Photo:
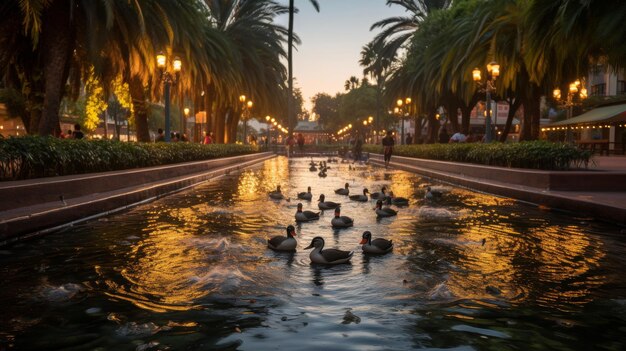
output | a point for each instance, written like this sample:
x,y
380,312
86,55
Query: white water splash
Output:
x,y
440,292
61,293
222,279
437,213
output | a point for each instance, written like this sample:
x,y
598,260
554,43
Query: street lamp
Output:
x,y
576,93
402,106
268,120
493,71
168,79
186,111
245,114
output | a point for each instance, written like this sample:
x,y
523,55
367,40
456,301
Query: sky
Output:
x,y
332,41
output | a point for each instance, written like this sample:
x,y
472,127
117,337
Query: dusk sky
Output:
x,y
332,41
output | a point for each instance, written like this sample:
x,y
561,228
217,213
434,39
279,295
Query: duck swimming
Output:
x,y
376,246
305,216
343,191
432,194
362,198
284,243
328,256
277,194
326,205
306,195
380,195
398,201
384,211
340,221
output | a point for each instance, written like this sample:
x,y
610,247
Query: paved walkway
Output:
x,y
609,163
607,205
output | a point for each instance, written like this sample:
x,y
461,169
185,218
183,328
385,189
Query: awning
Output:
x,y
606,114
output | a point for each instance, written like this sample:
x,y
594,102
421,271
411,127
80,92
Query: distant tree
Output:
x,y
327,108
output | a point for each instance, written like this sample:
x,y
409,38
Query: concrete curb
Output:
x,y
47,216
578,202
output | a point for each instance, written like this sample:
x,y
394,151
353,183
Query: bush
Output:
x,y
530,154
33,157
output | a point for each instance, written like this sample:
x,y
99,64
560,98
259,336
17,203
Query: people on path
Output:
x,y
388,143
409,139
301,142
358,146
458,137
208,138
77,133
160,136
291,141
444,137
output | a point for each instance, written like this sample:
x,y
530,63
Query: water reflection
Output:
x,y
193,271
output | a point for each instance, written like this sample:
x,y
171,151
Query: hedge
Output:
x,y
530,154
33,157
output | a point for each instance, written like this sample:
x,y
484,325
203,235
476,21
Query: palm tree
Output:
x,y
256,43
290,39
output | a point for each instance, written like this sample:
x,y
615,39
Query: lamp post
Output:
x,y
576,93
268,120
493,71
186,111
401,106
245,114
168,79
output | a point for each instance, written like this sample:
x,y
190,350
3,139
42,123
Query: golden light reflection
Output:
x,y
160,272
562,257
248,187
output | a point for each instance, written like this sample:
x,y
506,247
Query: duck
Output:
x,y
277,194
379,195
326,205
284,243
376,246
384,211
305,216
306,195
432,194
312,168
328,256
322,173
362,198
343,191
340,221
398,201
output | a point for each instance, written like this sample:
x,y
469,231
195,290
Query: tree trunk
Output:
x,y
231,127
433,128
453,116
209,98
290,121
140,107
220,124
514,105
57,44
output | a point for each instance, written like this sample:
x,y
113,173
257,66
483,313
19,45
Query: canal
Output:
x,y
192,271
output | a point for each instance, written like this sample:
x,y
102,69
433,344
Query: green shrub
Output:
x,y
531,154
33,157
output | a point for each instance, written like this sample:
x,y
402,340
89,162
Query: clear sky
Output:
x,y
332,41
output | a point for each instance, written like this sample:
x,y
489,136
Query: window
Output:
x,y
598,90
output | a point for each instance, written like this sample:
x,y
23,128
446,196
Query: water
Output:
x,y
191,271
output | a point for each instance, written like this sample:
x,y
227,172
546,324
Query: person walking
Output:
x,y
388,143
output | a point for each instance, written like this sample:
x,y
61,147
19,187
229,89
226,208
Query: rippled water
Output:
x,y
191,271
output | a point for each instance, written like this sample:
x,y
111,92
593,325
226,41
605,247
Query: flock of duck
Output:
x,y
334,256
